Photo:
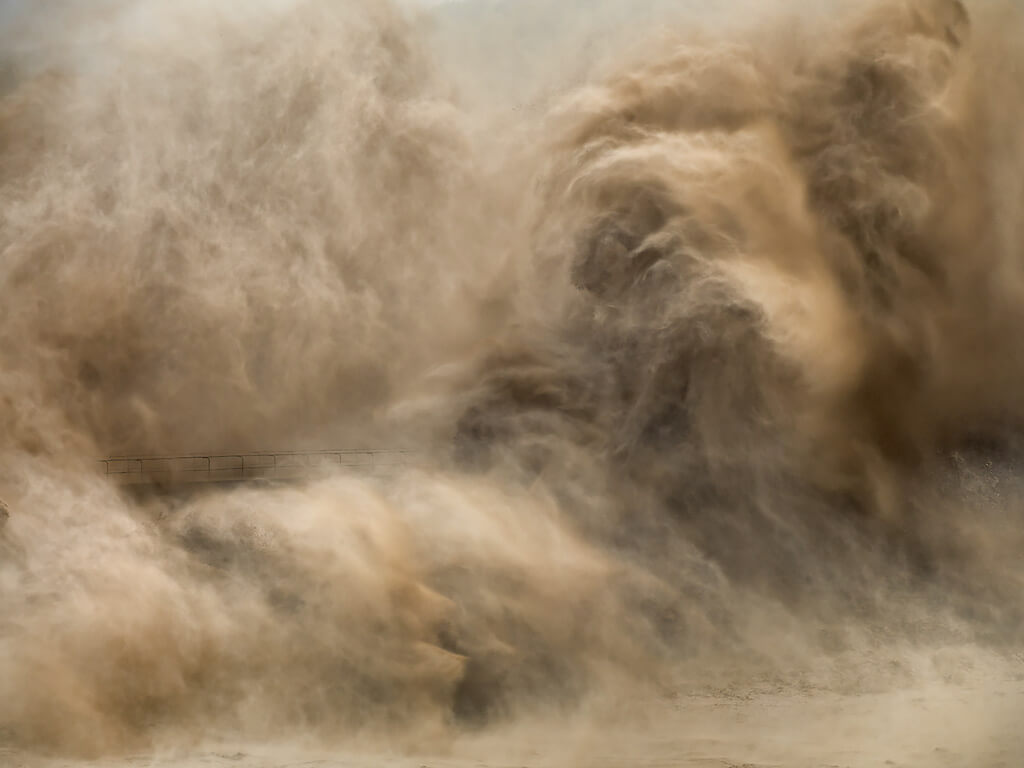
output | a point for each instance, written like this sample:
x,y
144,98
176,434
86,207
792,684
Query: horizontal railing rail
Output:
x,y
249,465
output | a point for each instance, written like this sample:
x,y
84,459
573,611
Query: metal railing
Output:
x,y
255,465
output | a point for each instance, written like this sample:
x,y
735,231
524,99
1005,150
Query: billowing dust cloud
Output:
x,y
713,364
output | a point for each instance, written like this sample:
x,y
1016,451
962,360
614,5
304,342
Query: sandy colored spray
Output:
x,y
703,366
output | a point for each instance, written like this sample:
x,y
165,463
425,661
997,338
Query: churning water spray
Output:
x,y
712,362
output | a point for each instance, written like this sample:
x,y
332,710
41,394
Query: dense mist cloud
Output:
x,y
710,358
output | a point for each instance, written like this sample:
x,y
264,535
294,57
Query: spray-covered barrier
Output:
x,y
267,466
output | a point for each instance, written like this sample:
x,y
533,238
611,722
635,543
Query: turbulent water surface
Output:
x,y
703,328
